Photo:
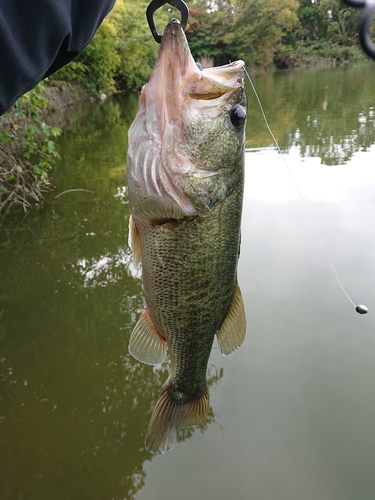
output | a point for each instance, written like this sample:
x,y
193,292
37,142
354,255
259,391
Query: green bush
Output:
x,y
122,53
27,152
96,67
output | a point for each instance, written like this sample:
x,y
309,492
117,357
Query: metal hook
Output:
x,y
368,45
155,5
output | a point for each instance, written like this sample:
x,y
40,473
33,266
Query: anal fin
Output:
x,y
146,344
233,329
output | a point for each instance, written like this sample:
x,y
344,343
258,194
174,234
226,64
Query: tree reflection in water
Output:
x,y
75,405
322,113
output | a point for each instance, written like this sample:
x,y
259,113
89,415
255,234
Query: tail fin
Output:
x,y
172,411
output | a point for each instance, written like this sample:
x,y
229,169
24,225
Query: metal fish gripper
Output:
x,y
155,5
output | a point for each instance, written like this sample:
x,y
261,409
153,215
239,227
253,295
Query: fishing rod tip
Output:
x,y
361,309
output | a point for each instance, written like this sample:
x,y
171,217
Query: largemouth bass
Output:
x,y
185,170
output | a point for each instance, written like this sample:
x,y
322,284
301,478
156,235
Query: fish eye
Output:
x,y
237,115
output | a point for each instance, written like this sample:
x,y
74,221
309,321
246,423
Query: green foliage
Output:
x,y
264,33
96,66
341,22
310,21
122,53
27,152
251,30
207,30
136,47
308,53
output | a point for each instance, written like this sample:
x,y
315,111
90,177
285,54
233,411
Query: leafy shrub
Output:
x,y
122,53
96,66
27,152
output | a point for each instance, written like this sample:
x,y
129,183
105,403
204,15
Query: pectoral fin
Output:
x,y
233,329
157,210
146,344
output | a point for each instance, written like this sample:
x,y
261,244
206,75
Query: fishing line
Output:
x,y
361,309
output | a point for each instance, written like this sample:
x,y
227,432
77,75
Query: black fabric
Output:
x,y
38,37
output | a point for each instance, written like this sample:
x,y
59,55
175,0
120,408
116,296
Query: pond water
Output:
x,y
292,411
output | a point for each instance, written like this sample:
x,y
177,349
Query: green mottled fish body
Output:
x,y
189,286
185,175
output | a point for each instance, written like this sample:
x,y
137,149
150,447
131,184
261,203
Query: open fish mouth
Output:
x,y
177,73
178,101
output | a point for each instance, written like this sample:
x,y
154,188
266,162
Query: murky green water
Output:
x,y
292,412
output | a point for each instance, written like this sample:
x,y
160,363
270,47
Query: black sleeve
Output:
x,y
38,37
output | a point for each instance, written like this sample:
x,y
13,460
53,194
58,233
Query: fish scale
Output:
x,y
186,229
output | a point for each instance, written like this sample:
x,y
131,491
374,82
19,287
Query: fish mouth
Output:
x,y
177,107
178,76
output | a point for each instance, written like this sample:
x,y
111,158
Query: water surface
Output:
x,y
292,411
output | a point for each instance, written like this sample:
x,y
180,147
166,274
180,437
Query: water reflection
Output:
x,y
74,405
294,412
327,113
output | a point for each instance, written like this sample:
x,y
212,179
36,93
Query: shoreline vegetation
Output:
x,y
267,34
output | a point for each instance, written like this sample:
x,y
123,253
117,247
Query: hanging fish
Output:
x,y
185,170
